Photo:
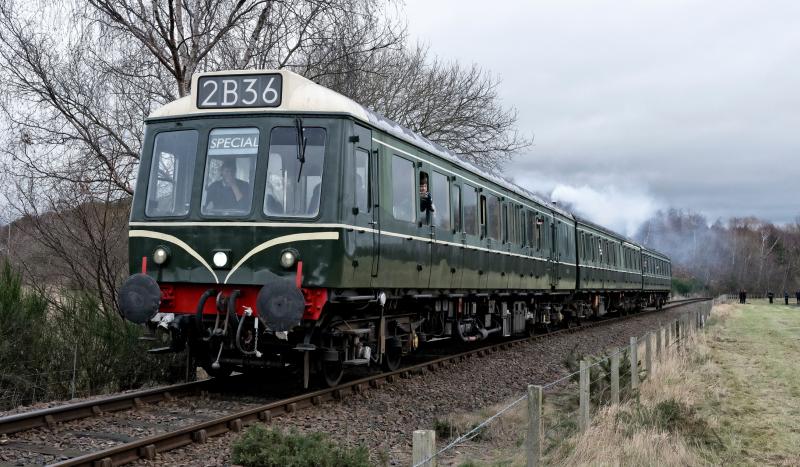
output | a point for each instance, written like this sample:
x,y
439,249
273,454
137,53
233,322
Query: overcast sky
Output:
x,y
637,106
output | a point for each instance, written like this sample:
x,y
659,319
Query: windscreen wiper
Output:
x,y
301,146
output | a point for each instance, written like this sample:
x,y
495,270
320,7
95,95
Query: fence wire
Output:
x,y
687,329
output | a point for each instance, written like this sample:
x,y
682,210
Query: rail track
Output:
x,y
147,447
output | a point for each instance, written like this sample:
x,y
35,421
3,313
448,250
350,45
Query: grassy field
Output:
x,y
755,388
732,398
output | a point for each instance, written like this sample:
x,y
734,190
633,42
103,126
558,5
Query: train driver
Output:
x,y
229,192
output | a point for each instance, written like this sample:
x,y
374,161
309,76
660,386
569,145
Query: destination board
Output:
x,y
237,91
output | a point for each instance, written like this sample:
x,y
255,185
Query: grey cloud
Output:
x,y
693,103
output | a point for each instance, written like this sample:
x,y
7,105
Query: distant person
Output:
x,y
744,296
770,296
797,295
786,297
741,296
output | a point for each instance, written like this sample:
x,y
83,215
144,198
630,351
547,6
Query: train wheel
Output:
x,y
331,372
392,358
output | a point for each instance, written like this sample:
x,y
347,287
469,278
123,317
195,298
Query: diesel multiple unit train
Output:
x,y
278,223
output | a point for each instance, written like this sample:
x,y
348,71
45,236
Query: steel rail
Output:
x,y
49,416
147,448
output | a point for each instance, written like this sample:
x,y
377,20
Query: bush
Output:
x,y
47,346
444,428
670,416
261,447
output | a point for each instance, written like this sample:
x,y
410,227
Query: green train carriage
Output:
x,y
276,222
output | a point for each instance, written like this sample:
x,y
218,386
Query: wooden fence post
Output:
x,y
583,413
648,353
667,337
424,447
534,440
634,364
615,376
659,331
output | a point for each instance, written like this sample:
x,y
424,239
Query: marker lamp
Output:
x,y
160,255
288,258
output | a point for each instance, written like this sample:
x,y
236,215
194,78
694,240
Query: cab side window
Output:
x,y
361,180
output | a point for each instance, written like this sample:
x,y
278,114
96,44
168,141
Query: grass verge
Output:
x,y
731,397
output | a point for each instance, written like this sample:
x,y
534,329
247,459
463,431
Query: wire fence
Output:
x,y
605,383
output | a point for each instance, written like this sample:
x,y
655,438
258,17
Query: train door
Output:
x,y
426,208
364,209
445,259
555,253
472,235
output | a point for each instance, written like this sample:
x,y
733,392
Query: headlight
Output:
x,y
160,255
220,259
288,258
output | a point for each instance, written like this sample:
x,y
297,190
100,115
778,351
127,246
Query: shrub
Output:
x,y
669,416
50,347
444,428
261,447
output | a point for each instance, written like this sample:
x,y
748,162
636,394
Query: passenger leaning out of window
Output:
x,y
228,192
425,200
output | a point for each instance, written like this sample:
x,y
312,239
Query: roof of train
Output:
x,y
300,94
303,95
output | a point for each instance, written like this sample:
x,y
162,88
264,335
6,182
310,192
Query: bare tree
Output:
x,y
79,82
742,253
451,104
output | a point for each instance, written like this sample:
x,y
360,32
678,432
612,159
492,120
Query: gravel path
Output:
x,y
383,420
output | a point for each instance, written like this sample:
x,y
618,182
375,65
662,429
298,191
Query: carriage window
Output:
x,y
470,210
599,251
482,215
172,169
529,220
493,217
361,181
506,236
457,208
441,200
403,196
230,171
293,187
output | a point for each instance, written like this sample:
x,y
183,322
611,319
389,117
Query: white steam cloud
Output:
x,y
621,210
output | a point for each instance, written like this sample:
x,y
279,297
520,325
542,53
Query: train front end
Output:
x,y
232,239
